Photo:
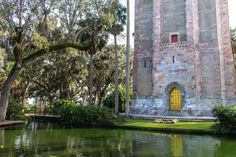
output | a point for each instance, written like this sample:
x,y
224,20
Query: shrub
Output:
x,y
92,116
59,105
109,101
15,112
226,115
82,115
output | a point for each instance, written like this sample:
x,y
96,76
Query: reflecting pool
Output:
x,y
45,140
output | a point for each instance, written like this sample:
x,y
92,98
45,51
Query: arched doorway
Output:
x,y
175,99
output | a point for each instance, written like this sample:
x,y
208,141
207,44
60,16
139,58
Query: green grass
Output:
x,y
179,127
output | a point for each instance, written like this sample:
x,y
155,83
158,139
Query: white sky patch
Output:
x,y
232,13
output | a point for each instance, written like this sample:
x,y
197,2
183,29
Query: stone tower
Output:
x,y
183,62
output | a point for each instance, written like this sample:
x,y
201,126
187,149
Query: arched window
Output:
x,y
175,99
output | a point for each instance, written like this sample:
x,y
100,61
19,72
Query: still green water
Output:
x,y
44,140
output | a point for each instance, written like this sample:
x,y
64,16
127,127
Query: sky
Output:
x,y
232,15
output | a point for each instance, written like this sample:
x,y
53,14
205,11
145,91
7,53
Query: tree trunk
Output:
x,y
20,13
116,78
90,80
50,99
127,61
99,98
25,91
5,92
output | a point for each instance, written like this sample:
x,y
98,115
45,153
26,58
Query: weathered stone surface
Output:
x,y
192,107
207,21
201,64
144,77
211,75
173,19
143,48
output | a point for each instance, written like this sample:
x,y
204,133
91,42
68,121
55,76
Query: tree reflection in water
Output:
x,y
2,133
44,140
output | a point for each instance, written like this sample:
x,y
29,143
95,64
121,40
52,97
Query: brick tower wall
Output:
x,y
200,64
208,50
228,70
143,48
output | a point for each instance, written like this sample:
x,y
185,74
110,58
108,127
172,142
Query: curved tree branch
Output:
x,y
41,52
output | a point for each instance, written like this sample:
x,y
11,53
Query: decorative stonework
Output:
x,y
173,45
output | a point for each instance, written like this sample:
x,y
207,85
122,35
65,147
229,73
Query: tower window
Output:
x,y
145,64
174,38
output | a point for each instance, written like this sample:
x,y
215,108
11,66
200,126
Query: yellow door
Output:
x,y
175,99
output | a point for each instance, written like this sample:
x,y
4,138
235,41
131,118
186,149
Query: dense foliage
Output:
x,y
84,116
32,35
226,115
15,112
233,42
233,39
109,101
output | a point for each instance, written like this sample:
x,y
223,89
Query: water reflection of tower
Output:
x,y
176,146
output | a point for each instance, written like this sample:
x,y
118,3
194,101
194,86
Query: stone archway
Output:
x,y
175,96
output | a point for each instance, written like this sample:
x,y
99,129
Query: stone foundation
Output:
x,y
192,107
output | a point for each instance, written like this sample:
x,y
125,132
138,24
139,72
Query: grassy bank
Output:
x,y
179,127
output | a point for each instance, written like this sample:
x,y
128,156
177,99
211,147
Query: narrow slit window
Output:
x,y
145,64
174,38
173,59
